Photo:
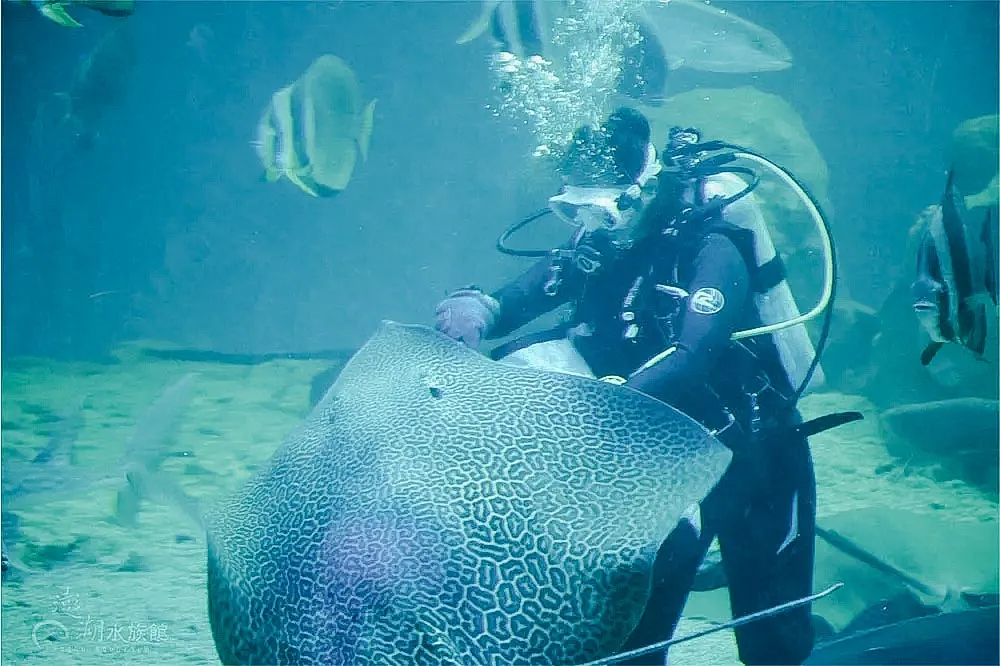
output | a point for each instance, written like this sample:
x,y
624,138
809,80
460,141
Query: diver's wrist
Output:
x,y
490,304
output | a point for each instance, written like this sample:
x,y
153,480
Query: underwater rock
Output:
x,y
975,154
847,355
961,435
988,197
946,426
766,124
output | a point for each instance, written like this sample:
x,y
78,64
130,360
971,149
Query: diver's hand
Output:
x,y
467,315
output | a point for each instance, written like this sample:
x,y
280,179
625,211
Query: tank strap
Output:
x,y
763,278
769,275
529,339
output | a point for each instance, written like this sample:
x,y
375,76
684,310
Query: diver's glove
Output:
x,y
467,315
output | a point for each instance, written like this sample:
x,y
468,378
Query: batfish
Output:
x,y
313,130
954,293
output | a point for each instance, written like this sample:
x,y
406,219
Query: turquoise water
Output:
x,y
145,222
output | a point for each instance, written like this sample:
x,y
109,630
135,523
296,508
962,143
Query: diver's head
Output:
x,y
608,174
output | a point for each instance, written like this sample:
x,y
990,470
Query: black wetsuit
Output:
x,y
751,508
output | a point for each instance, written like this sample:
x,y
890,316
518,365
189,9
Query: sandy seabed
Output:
x,y
113,595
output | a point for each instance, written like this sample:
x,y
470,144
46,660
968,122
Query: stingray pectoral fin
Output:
x,y
57,12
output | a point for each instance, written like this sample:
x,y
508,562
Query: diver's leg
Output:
x,y
767,529
673,574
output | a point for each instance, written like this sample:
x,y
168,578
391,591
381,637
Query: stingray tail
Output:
x,y
735,622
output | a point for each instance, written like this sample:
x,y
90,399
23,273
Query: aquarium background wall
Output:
x,y
164,228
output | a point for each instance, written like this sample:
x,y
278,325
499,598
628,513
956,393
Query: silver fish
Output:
x,y
698,36
672,34
51,474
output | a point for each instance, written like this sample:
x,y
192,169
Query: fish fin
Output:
x,y
298,177
271,174
949,185
976,323
986,236
365,131
929,352
57,12
827,422
979,331
706,28
480,25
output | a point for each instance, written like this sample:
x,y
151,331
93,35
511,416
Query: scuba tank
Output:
x,y
718,184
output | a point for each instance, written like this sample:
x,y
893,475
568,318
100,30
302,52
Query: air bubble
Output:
x,y
574,83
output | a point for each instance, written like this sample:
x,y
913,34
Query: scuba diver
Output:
x,y
676,291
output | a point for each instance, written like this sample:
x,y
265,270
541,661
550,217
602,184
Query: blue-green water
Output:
x,y
161,227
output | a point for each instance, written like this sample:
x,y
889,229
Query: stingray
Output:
x,y
962,637
441,507
904,564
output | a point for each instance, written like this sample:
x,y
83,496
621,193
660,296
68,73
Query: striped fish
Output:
x,y
313,131
956,277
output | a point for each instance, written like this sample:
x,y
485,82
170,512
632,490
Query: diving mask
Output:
x,y
592,208
607,208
